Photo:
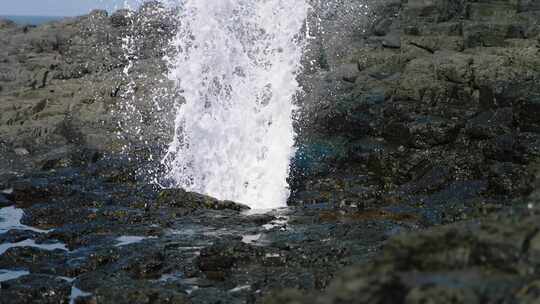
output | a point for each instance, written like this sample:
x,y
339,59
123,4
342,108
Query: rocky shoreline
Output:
x,y
416,180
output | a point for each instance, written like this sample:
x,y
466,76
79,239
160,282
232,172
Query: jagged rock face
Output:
x,y
63,84
432,86
419,114
443,117
446,265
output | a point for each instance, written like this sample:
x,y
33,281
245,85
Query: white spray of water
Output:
x,y
236,67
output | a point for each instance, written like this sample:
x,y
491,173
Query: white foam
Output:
x,y
236,68
68,279
31,243
280,222
170,277
77,293
130,239
7,191
6,275
251,238
10,218
240,288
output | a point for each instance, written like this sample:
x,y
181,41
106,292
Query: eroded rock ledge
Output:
x,y
416,179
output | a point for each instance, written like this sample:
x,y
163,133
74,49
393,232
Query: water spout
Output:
x,y
236,67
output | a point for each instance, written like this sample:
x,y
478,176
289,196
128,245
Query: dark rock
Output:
x,y
484,34
211,295
136,293
4,23
178,198
121,18
504,148
34,259
427,116
382,289
491,123
423,132
347,72
34,190
261,219
4,202
528,113
382,27
98,13
510,179
438,265
35,288
222,256
392,40
434,179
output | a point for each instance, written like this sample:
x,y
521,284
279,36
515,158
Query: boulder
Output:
x,y
179,198
121,18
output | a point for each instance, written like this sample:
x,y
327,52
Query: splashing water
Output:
x,y
236,68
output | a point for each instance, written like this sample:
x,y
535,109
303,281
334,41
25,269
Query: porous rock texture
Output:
x,y
416,181
435,108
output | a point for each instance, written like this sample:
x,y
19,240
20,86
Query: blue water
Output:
x,y
31,20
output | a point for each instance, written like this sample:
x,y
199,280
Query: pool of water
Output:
x,y
10,218
6,275
31,243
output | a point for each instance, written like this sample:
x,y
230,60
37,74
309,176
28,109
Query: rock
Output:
x,y
477,34
40,79
75,88
98,13
423,132
508,178
491,123
392,40
434,11
285,296
406,271
383,289
56,158
504,148
527,113
347,72
382,27
126,294
419,82
454,93
415,178
179,198
121,18
28,191
40,106
380,57
211,295
455,67
21,152
432,44
441,295
222,256
35,288
4,202
7,24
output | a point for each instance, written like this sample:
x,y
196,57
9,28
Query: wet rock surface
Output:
x,y
416,179
126,244
485,261
65,84
433,124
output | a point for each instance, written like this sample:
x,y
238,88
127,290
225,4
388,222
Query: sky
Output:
x,y
58,7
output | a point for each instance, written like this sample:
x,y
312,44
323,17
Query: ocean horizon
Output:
x,y
31,20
